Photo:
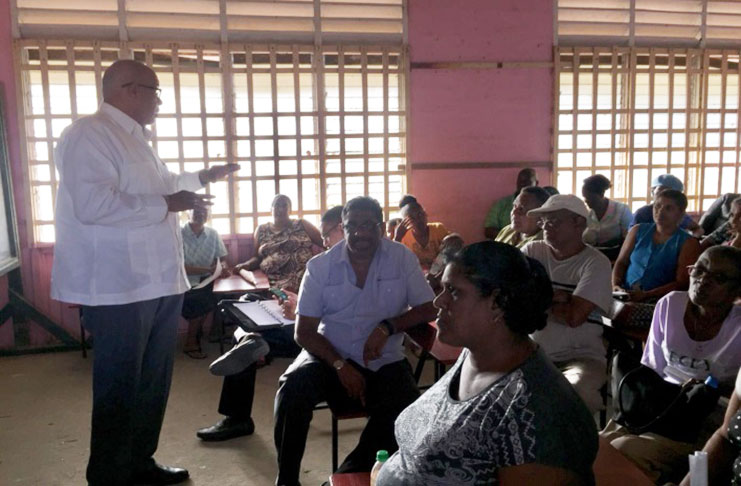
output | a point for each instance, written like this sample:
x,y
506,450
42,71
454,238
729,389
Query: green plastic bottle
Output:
x,y
381,457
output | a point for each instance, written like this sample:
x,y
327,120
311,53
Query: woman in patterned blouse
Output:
x,y
283,247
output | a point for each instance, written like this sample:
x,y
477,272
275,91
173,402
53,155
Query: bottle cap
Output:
x,y
382,455
711,381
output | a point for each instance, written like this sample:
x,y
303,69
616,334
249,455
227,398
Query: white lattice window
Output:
x,y
634,113
256,106
307,96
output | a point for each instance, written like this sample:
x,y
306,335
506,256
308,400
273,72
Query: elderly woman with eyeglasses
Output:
x,y
694,334
490,419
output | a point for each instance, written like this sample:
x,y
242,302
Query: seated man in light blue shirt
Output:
x,y
354,303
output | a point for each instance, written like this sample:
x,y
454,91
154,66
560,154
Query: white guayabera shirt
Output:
x,y
116,243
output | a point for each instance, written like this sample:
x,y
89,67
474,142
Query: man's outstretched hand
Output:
x,y
185,200
217,172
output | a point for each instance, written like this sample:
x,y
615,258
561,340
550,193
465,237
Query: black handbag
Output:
x,y
647,403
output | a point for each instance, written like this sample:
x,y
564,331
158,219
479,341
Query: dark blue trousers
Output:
x,y
134,348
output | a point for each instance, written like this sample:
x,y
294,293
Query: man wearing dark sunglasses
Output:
x,y
119,254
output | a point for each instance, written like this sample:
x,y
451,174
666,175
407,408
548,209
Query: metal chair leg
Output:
x,y
423,356
335,445
217,315
83,341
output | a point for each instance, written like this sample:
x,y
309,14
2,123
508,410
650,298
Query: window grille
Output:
x,y
634,113
321,124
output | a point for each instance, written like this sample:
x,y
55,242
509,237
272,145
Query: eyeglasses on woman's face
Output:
x,y
719,278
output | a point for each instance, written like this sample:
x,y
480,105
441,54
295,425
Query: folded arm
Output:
x,y
569,309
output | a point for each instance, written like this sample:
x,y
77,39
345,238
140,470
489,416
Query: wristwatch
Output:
x,y
338,364
386,324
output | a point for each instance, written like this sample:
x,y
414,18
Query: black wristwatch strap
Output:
x,y
389,327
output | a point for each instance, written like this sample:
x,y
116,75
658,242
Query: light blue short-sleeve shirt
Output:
x,y
201,250
349,314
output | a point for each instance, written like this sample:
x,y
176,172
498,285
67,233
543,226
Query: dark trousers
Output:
x,y
238,391
132,370
309,381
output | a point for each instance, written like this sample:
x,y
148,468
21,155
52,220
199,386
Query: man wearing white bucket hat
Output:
x,y
581,285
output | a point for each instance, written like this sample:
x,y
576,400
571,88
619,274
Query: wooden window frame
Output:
x,y
200,62
702,122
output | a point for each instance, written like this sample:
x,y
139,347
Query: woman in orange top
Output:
x,y
414,232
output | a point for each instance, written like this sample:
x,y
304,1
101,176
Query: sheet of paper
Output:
x,y
248,276
212,277
263,313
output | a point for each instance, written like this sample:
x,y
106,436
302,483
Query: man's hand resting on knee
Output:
x,y
353,381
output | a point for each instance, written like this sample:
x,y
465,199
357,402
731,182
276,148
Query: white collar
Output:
x,y
124,120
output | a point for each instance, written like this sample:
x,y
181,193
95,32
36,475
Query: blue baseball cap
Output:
x,y
668,181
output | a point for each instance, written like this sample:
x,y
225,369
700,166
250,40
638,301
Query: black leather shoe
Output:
x,y
226,428
158,474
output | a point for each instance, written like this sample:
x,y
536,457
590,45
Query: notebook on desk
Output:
x,y
256,316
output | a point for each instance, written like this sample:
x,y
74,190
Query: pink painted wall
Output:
x,y
477,115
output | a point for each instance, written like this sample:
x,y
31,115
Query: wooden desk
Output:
x,y
613,469
350,479
233,287
242,282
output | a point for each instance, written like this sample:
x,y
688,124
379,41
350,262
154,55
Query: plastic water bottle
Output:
x,y
381,457
699,468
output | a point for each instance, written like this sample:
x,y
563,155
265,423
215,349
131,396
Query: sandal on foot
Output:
x,y
195,353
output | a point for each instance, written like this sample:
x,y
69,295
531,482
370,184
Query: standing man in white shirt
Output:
x,y
119,254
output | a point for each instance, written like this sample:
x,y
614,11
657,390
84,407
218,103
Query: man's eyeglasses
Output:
x,y
325,234
157,91
368,226
549,222
698,271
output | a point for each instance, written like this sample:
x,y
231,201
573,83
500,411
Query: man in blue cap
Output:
x,y
658,184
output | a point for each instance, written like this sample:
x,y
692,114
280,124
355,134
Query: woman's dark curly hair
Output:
x,y
408,199
525,291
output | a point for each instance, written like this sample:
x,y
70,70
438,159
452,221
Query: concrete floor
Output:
x,y
45,403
